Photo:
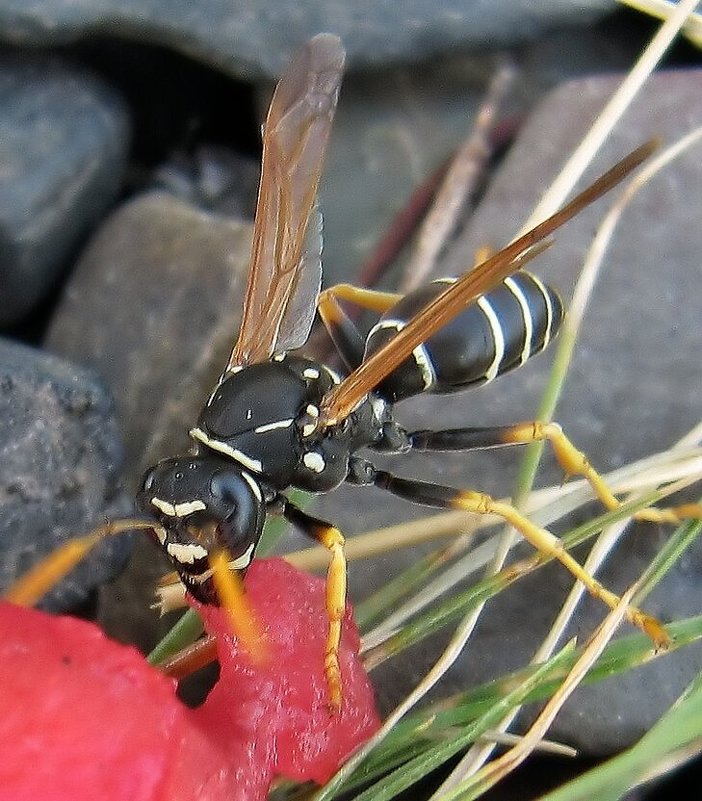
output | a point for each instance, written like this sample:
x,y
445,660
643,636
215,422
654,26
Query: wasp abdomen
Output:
x,y
496,333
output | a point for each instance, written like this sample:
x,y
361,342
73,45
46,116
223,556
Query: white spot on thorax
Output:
x,y
314,461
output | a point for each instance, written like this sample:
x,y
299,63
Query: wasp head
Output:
x,y
202,505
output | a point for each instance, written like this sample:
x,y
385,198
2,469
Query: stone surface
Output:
x,y
60,458
633,389
256,39
153,307
394,128
63,144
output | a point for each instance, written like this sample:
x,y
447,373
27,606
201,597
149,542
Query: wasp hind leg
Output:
x,y
442,497
331,538
573,461
342,330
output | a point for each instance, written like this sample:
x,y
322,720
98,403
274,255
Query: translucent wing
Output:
x,y
341,401
302,307
294,142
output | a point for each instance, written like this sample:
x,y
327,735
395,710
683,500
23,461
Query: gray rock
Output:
x,y
212,178
153,307
60,458
63,143
257,39
633,389
394,128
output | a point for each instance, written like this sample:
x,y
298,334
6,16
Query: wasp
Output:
x,y
277,420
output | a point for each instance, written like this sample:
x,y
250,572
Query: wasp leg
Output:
x,y
572,460
331,538
343,332
442,497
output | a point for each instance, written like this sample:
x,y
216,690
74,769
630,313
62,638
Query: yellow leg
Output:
x,y
548,544
232,598
545,542
331,538
371,299
574,462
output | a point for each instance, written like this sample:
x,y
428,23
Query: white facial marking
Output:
x,y
227,450
314,461
186,554
243,561
279,357
310,372
183,509
160,533
312,410
164,506
272,426
179,509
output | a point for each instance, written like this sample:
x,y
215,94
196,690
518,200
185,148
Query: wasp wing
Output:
x,y
294,142
339,402
300,312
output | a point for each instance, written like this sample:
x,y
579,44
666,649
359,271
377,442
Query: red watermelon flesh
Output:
x,y
84,717
282,707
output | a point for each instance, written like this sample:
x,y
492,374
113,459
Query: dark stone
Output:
x,y
154,306
59,471
212,178
256,39
64,141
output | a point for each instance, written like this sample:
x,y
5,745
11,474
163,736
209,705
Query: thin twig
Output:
x,y
460,181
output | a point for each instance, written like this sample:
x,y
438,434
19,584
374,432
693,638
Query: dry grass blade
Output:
x,y
503,765
612,113
662,9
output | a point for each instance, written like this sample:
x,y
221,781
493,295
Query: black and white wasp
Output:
x,y
277,420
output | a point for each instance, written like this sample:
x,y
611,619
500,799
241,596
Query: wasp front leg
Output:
x,y
572,460
442,497
331,538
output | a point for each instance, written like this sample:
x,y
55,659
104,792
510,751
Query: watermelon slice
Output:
x,y
84,717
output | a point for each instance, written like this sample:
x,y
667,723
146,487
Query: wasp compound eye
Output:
x,y
236,500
